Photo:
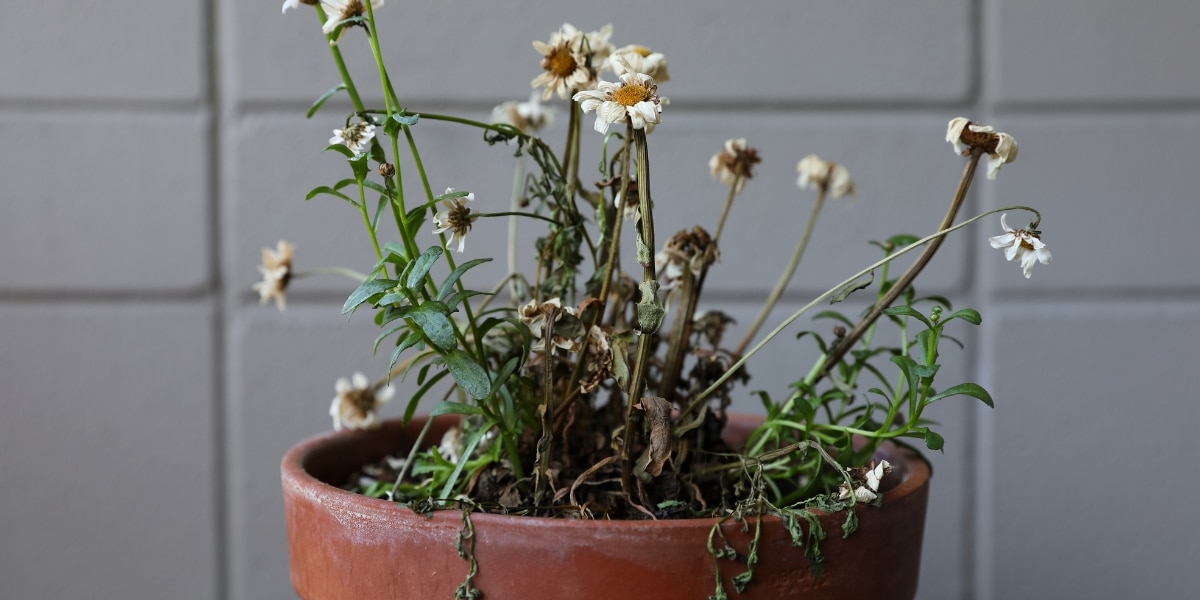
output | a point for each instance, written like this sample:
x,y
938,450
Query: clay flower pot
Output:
x,y
344,545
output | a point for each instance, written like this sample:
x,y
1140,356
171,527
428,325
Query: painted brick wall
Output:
x,y
152,148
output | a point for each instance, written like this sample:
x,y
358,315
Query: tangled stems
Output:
x,y
826,294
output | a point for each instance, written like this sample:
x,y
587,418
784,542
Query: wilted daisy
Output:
x,y
357,403
536,315
570,60
634,99
290,4
1000,147
529,117
628,202
734,163
871,476
340,10
1023,243
818,173
686,250
356,136
638,59
456,219
276,270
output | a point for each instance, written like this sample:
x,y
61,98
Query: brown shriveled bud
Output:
x,y
387,170
839,332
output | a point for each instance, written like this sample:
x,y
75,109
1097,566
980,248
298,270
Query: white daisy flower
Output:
x,y
638,59
276,270
568,59
340,10
635,99
356,404
1001,147
817,173
529,117
1022,243
456,219
357,137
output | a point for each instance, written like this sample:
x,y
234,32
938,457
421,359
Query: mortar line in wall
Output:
x,y
213,63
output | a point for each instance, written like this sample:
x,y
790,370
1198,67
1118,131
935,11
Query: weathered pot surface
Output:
x,y
343,545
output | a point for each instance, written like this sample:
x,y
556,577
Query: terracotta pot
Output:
x,y
344,545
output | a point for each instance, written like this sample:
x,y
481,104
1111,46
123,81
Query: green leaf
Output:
x,y
469,375
457,297
360,166
448,284
908,311
393,125
969,315
340,149
368,288
432,320
420,393
445,407
312,110
421,266
324,189
409,120
933,441
835,315
843,292
973,390
413,339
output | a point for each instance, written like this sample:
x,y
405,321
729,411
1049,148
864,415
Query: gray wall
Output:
x,y
152,148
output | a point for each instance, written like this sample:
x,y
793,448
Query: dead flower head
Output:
x,y
1000,147
539,315
456,219
529,117
869,477
820,174
357,403
711,325
570,60
340,10
276,271
687,250
734,164
599,359
639,59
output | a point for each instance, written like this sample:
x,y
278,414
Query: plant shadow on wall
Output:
x,y
583,392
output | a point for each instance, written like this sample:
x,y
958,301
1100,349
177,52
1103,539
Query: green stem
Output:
x,y
362,205
341,64
344,272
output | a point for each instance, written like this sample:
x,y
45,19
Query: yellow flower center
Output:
x,y
642,50
560,62
630,94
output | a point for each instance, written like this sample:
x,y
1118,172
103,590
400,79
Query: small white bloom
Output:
x,y
340,10
529,117
638,59
456,219
634,99
817,173
356,404
1004,151
1022,243
276,270
875,475
357,137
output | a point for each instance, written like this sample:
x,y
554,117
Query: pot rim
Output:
x,y
297,477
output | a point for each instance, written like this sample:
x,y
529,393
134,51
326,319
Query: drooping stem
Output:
x,y
909,275
514,289
787,274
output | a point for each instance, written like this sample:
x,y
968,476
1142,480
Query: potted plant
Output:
x,y
578,440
